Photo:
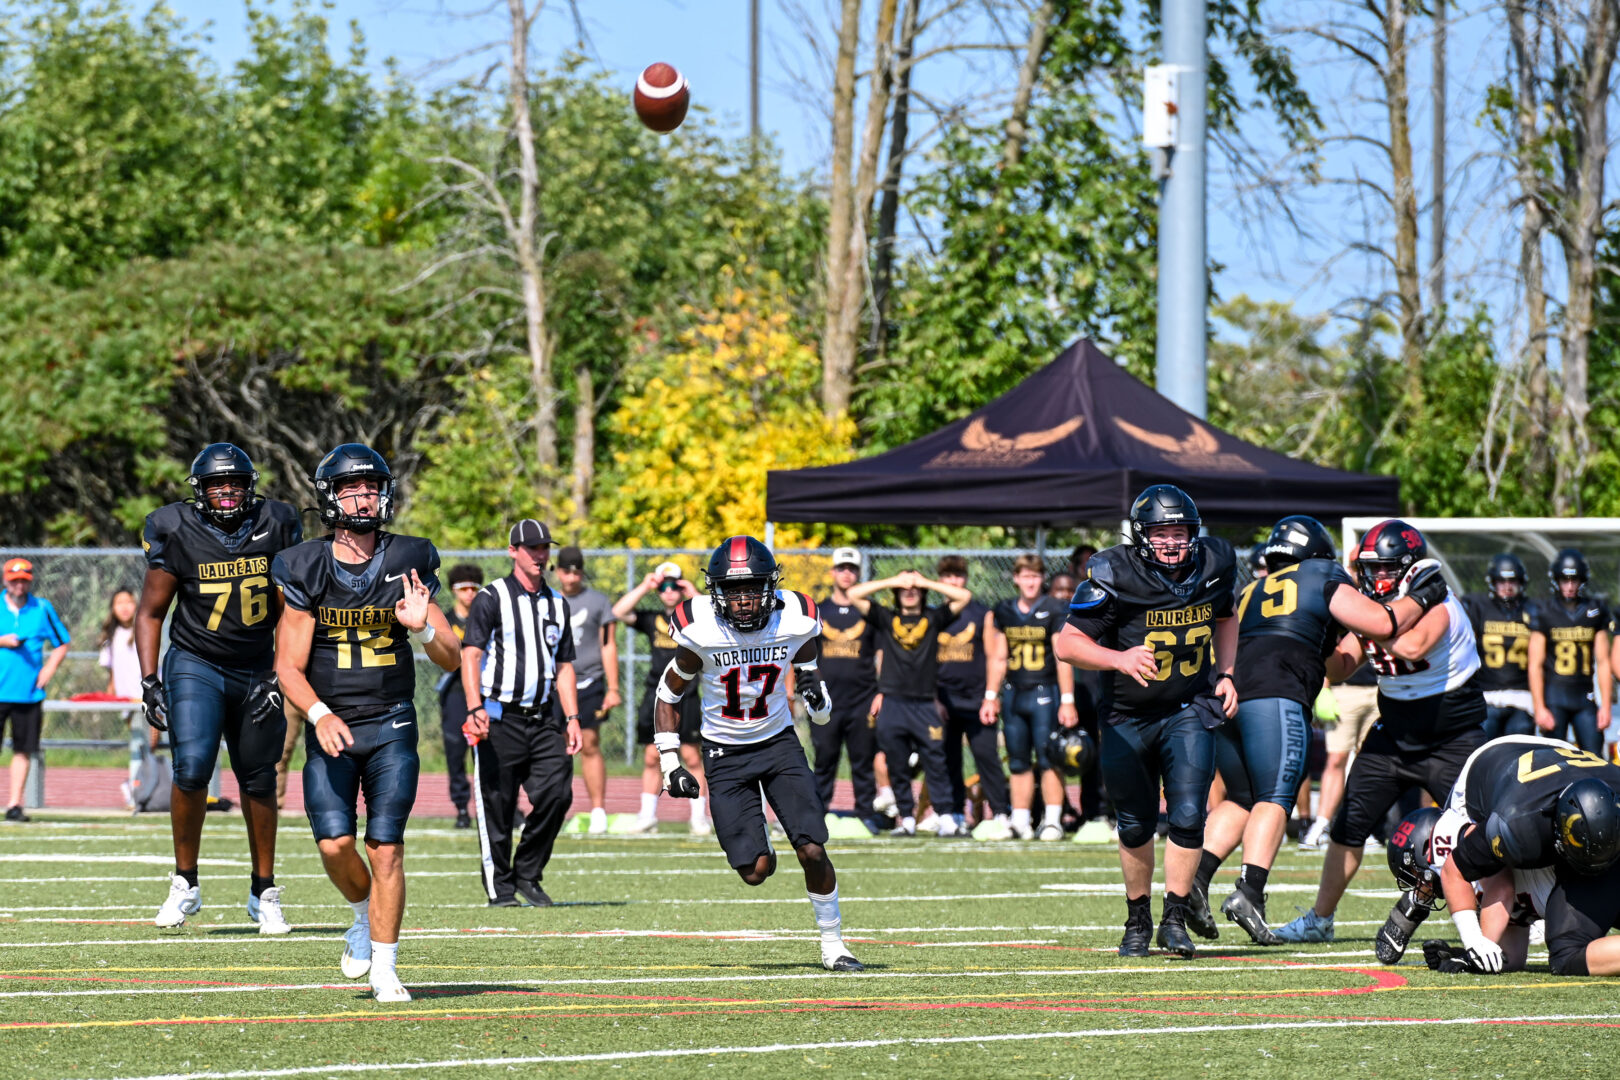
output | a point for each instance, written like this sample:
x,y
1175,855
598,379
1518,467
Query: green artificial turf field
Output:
x,y
983,960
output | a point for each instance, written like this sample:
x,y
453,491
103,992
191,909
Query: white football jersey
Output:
x,y
744,676
1448,664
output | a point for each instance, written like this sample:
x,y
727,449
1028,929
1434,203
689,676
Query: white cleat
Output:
x,y
1538,932
642,825
357,950
598,826
1020,830
996,828
386,988
930,823
1049,831
701,827
266,911
1315,837
884,803
183,900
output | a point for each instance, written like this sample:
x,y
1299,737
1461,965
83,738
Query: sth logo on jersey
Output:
x,y
986,449
1199,450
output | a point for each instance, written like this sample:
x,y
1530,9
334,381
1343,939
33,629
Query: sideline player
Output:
x,y
1501,621
345,662
1569,643
1290,620
209,557
740,639
1157,613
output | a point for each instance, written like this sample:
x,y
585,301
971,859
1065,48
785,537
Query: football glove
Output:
x,y
153,703
1424,583
677,781
818,701
264,700
1484,955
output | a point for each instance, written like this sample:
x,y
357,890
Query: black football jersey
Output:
x,y
1124,603
1286,631
848,652
224,603
1502,631
360,661
1029,639
910,646
1509,792
1571,631
963,672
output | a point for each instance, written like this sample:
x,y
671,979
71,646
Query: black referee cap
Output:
x,y
529,532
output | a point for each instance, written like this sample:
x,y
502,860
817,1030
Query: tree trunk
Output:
x,y
1403,193
1437,219
529,255
1525,41
889,204
1016,129
836,365
584,442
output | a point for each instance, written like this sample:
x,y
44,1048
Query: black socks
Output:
x,y
1207,865
1252,880
189,875
262,883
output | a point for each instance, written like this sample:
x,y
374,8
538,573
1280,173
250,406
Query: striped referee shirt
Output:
x,y
524,636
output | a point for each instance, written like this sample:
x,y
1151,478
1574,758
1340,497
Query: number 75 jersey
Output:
x,y
744,675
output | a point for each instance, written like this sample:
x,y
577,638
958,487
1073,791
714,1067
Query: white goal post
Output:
x,y
1464,546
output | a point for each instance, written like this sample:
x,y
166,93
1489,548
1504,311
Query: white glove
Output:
x,y
1484,954
818,702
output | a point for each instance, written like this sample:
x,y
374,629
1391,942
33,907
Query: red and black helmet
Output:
x,y
742,578
1386,551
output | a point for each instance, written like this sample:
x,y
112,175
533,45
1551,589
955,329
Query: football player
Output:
x,y
1569,643
1290,618
1157,614
740,640
355,598
209,558
1501,621
1430,712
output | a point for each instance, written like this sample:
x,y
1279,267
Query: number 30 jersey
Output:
x,y
744,676
223,600
360,660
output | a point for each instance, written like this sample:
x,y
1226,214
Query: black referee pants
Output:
x,y
527,750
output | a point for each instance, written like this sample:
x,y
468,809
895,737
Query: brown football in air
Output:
x,y
662,97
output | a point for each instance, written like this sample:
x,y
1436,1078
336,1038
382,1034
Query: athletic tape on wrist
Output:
x,y
664,693
667,742
317,712
426,634
675,666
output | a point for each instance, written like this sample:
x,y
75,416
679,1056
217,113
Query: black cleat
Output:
x,y
531,892
1199,919
505,901
14,814
1173,935
1396,933
1241,909
846,963
463,819
1138,936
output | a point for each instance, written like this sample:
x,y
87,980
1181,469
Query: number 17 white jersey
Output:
x,y
744,675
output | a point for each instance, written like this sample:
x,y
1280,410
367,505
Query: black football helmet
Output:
x,y
1070,751
742,578
1257,560
347,462
219,463
1296,538
1163,504
1569,565
1507,567
1386,551
1410,850
1586,826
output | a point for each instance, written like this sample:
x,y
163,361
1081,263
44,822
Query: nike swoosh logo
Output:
x,y
261,536
406,723
394,577
1214,581
1042,614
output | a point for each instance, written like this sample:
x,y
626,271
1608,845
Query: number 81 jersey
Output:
x,y
744,675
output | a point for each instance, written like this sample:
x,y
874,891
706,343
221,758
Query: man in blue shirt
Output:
x,y
27,624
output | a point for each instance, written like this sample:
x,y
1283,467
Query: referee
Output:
x,y
518,650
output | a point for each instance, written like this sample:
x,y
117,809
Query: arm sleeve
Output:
x,y
482,615
1473,856
292,592
565,643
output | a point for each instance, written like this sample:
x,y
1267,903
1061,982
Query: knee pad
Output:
x,y
332,824
1187,825
192,771
259,781
1133,834
1018,766
1184,836
1567,959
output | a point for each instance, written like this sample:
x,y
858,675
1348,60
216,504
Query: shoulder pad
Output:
x,y
1105,570
1219,555
682,616
806,605
1088,596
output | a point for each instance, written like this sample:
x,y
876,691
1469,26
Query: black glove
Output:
x,y
264,700
681,784
1424,583
153,703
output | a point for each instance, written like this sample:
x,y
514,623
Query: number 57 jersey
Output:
x,y
744,675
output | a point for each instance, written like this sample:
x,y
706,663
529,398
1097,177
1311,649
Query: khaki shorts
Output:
x,y
1358,712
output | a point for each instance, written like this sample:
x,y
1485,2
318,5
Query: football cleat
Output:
x,y
357,950
1021,830
1050,831
702,827
642,824
599,824
1241,909
1315,837
266,911
1396,933
884,802
1173,935
386,988
995,828
184,899
1309,929
906,826
930,823
835,956
1138,935
1199,919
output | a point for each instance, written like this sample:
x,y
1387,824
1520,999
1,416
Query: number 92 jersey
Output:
x,y
744,676
223,594
360,658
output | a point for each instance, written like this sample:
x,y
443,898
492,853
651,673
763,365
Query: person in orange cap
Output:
x,y
33,640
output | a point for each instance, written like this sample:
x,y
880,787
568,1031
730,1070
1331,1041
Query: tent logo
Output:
x,y
983,448
1199,450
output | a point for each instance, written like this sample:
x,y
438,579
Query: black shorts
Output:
x,y
1383,772
736,773
590,705
1580,910
26,719
691,709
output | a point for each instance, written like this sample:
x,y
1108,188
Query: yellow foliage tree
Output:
x,y
739,397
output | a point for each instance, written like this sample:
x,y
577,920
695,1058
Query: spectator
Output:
x,y
849,667
465,581
27,624
116,646
1061,587
596,667
673,590
972,654
1078,559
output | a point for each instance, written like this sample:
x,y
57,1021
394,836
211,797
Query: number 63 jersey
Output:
x,y
744,676
360,659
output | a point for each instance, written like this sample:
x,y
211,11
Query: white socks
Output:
x,y
1020,816
649,804
598,818
383,958
698,814
1054,814
362,910
828,920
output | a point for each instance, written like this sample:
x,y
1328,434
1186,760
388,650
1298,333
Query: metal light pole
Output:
x,y
1183,262
753,73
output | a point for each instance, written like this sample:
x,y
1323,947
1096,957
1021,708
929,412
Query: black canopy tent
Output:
x,y
1071,445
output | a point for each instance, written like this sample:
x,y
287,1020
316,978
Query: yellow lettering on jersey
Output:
x,y
360,618
957,648
1505,628
233,568
909,637
1571,633
839,644
1187,616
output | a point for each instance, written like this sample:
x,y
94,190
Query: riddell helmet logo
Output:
x,y
983,448
1198,450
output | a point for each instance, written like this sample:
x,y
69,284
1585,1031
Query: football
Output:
x,y
662,97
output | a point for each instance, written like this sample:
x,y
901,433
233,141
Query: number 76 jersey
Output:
x,y
744,675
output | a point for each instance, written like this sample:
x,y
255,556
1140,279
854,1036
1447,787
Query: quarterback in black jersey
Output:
x,y
1289,620
209,558
1501,621
354,600
1569,651
1157,614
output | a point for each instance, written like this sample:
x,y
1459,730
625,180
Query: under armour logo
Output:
x,y
717,752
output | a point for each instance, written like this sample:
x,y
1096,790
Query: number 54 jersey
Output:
x,y
744,676
360,659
